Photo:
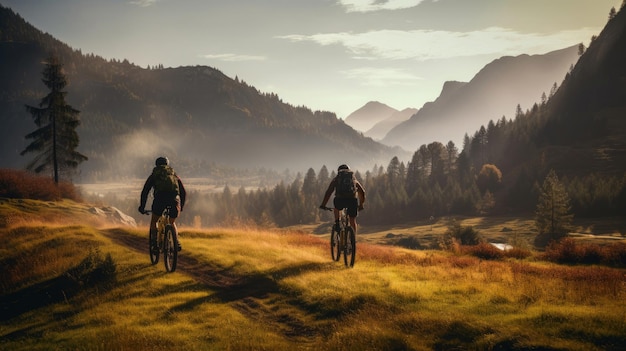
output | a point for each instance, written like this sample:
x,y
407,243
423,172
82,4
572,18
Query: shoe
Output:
x,y
179,247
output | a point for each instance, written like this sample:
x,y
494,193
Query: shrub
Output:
x,y
17,184
568,251
410,242
465,235
94,270
486,251
518,253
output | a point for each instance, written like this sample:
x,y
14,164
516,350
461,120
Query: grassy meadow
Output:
x,y
70,283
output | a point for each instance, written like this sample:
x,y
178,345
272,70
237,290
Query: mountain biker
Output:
x,y
168,191
352,199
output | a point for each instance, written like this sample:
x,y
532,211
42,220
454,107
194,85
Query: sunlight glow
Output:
x,y
377,77
377,5
233,57
143,3
432,45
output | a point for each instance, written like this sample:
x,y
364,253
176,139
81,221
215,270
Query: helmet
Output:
x,y
343,168
162,161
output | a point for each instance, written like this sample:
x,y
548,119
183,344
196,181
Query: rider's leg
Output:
x,y
172,220
174,215
153,222
353,223
352,213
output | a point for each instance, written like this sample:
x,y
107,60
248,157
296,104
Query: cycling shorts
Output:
x,y
161,202
351,203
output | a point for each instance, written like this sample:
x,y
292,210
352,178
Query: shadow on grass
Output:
x,y
39,295
92,272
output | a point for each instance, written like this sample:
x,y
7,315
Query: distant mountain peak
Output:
x,y
495,91
368,115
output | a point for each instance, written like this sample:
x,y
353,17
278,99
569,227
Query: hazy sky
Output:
x,y
333,55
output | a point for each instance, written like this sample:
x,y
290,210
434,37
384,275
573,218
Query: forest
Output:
x,y
438,181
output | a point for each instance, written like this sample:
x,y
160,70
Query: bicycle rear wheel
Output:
x,y
335,240
170,251
349,252
153,247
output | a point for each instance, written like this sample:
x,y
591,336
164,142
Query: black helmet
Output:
x,y
162,161
343,168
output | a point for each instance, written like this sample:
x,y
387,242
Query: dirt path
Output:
x,y
247,294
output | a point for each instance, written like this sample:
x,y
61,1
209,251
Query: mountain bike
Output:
x,y
343,240
164,240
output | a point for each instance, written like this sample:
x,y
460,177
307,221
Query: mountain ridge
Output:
x,y
193,114
487,96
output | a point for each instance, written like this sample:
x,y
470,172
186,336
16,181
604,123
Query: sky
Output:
x,y
330,55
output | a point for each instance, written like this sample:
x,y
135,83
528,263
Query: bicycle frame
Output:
x,y
165,241
344,240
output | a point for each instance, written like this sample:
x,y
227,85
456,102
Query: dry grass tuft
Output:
x,y
17,184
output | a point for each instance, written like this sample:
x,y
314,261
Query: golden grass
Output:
x,y
246,289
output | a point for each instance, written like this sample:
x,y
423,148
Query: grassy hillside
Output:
x,y
85,287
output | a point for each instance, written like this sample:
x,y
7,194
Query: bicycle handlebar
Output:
x,y
330,208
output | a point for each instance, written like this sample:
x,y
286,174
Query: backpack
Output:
x,y
346,184
165,179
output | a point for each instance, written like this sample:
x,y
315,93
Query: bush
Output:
x,y
486,251
17,184
518,253
94,270
465,235
568,251
410,242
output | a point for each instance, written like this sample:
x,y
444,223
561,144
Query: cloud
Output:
x,y
143,3
377,5
424,45
381,77
233,57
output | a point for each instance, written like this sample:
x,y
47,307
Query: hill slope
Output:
x,y
92,288
380,129
581,129
192,114
368,115
494,92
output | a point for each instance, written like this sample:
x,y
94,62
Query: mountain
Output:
x,y
367,116
380,129
582,128
195,115
494,92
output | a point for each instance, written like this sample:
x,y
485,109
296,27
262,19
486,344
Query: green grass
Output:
x,y
247,289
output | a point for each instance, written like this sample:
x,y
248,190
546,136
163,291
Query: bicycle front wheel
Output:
x,y
170,251
335,249
153,247
349,252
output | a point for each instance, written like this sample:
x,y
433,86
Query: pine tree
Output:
x,y
552,216
55,139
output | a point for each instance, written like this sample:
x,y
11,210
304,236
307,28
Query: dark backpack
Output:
x,y
346,184
165,179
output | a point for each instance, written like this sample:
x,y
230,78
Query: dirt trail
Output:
x,y
246,294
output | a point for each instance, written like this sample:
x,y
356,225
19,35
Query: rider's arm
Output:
x,y
182,192
329,192
360,193
144,193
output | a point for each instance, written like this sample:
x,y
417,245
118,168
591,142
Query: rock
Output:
x,y
114,215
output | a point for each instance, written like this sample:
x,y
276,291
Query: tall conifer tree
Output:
x,y
552,217
55,139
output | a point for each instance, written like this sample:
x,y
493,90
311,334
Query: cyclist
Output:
x,y
168,191
349,194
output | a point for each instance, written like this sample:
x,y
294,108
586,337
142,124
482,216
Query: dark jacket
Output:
x,y
162,196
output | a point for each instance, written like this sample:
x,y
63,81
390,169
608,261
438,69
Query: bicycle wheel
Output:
x,y
335,250
153,247
349,252
170,251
